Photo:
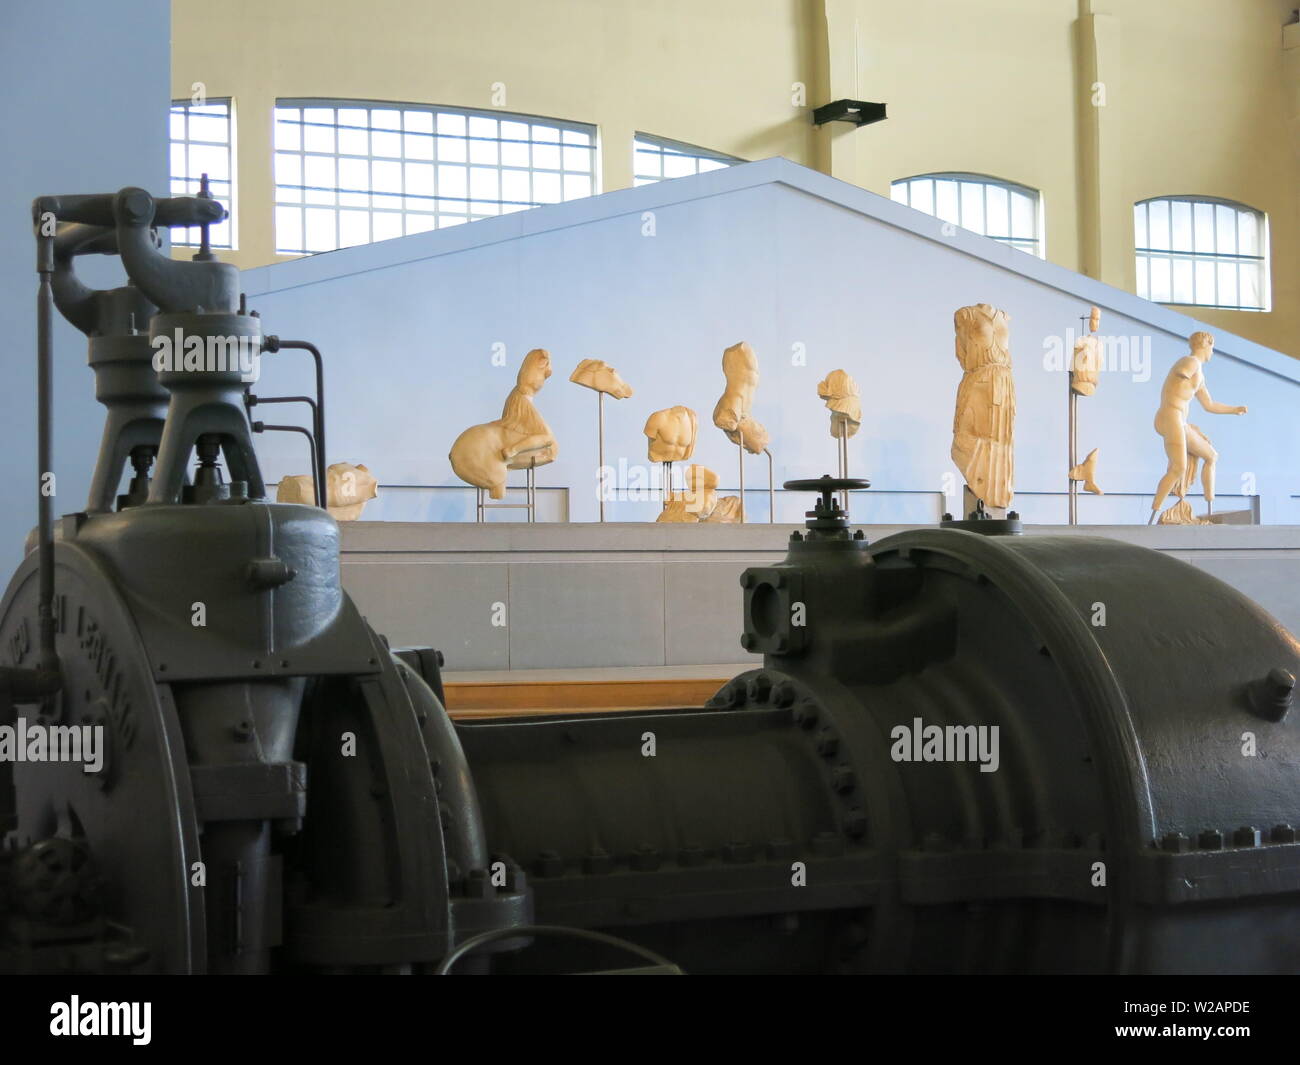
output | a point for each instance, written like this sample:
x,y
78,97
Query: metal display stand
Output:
x,y
600,452
530,496
842,446
771,484
740,450
771,489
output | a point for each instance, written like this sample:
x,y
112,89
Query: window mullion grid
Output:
x,y
532,165
370,174
437,173
1236,250
336,162
401,168
1147,255
301,206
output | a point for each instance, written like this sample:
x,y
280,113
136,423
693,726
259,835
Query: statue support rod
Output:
x,y
771,489
1074,450
740,451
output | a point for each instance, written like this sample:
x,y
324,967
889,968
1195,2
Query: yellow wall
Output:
x,y
1201,96
684,69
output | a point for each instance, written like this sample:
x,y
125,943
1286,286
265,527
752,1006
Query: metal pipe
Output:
x,y
49,658
251,401
319,427
319,487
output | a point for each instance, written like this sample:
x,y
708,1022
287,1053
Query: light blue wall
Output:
x,y
84,94
771,253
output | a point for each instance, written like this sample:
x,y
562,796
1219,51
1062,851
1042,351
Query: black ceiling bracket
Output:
x,y
859,112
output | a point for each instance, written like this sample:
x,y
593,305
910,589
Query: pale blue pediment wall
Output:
x,y
769,252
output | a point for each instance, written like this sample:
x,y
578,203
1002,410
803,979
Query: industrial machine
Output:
x,y
966,750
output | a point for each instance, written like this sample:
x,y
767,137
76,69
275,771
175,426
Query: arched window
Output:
x,y
350,172
1003,210
1201,251
657,158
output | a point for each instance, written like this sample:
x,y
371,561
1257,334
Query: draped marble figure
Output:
x,y
983,425
840,392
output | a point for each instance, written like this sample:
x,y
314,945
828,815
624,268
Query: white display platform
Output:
x,y
502,596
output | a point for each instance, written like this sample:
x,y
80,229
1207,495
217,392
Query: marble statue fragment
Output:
x,y
671,433
701,490
732,412
1086,472
1085,368
696,500
518,440
983,425
600,377
347,490
840,392
1086,364
1180,513
727,511
675,512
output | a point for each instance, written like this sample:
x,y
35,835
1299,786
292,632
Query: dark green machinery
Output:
x,y
966,750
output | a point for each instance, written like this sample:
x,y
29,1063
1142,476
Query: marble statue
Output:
x,y
1086,472
675,512
983,425
840,392
732,412
701,492
1086,365
727,511
347,490
600,377
518,440
671,433
1185,444
1085,368
696,501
